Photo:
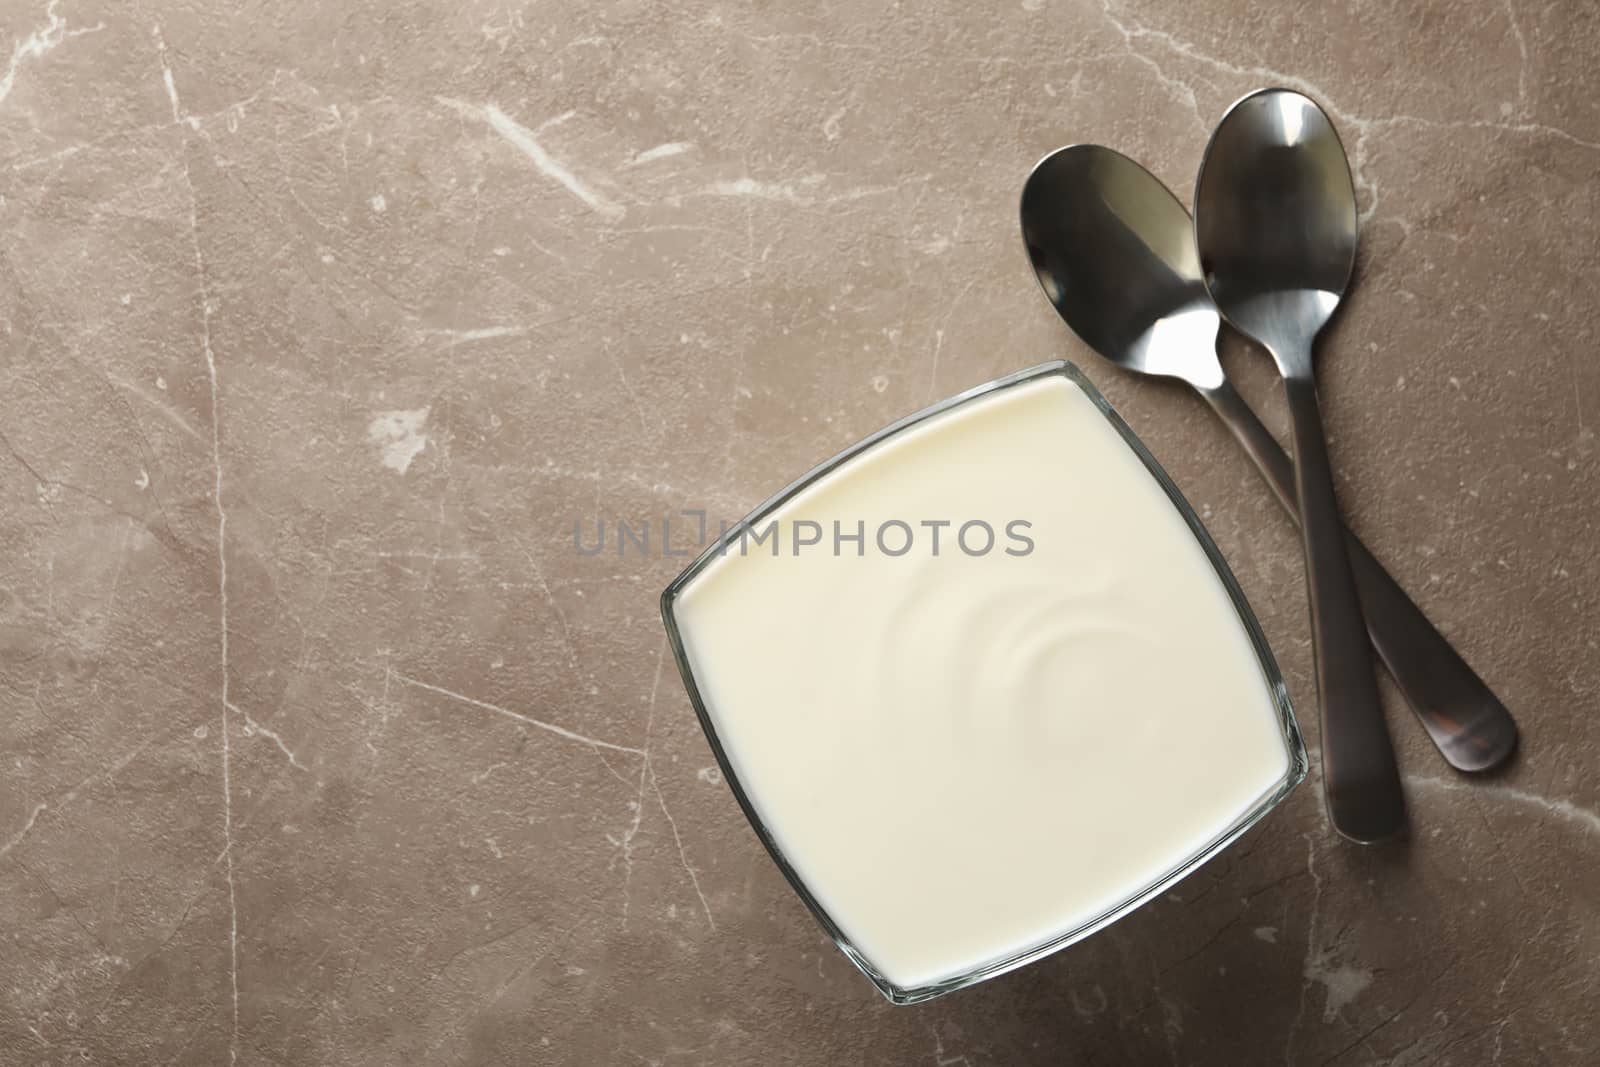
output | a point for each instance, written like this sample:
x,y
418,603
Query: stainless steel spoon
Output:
x,y
1115,253
1275,221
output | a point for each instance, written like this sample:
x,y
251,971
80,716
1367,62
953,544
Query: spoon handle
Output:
x,y
1467,722
1359,774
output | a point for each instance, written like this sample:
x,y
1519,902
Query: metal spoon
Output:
x,y
1275,221
1115,253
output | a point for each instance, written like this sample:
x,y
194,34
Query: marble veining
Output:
x,y
322,328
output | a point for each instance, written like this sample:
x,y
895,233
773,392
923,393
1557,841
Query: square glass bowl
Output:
x,y
903,990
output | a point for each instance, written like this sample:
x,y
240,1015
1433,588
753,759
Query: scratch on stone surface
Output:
x,y
1171,1027
251,727
683,856
384,708
729,453
627,387
631,479
1577,398
17,837
522,138
549,596
625,843
660,151
1363,1039
222,545
554,121
793,193
1183,90
938,335
1583,818
155,402
193,120
1135,31
1505,979
40,41
432,557
63,799
1522,54
17,166
50,490
1516,957
482,776
43,483
1311,948
759,190
481,333
517,716
128,525
649,767
933,364
489,1002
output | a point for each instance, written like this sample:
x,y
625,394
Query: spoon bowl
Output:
x,y
1275,218
1115,253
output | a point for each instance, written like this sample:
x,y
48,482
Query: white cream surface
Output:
x,y
965,757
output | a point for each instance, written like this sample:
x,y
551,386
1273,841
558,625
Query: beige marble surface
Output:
x,y
321,325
